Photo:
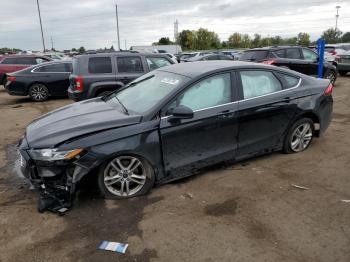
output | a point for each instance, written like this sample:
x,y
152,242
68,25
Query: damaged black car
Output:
x,y
170,123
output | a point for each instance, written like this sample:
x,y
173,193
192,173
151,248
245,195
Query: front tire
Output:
x,y
39,92
332,76
125,176
299,136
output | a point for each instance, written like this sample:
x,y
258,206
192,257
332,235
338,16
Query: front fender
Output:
x,y
95,87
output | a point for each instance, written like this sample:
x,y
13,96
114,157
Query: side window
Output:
x,y
213,91
309,55
26,61
54,68
100,65
156,62
9,61
129,65
293,53
280,53
288,80
258,83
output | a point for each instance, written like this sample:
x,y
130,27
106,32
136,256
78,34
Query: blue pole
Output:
x,y
320,51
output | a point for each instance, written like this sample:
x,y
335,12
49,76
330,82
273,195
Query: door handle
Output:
x,y
226,114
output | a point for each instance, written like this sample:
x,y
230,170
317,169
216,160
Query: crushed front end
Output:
x,y
55,173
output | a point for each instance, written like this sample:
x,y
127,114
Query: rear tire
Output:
x,y
299,136
343,73
39,92
125,176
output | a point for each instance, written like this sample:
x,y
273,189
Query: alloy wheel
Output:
x,y
331,76
301,137
124,176
39,93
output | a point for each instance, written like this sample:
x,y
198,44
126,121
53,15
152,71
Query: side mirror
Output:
x,y
181,112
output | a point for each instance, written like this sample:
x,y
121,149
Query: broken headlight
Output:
x,y
53,154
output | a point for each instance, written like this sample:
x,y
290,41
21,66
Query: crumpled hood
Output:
x,y
75,120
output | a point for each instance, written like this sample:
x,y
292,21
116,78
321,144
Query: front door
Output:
x,y
207,138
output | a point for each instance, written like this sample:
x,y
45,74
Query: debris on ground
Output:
x,y
16,106
345,200
187,195
300,187
113,246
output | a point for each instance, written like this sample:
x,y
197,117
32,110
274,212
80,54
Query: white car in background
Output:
x,y
172,57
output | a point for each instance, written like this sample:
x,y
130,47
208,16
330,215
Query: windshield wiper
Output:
x,y
124,108
134,83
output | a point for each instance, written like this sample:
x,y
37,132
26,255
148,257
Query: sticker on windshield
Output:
x,y
170,81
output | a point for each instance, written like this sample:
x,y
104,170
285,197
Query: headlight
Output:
x,y
53,154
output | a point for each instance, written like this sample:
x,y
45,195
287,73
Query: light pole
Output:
x,y
336,17
116,15
41,26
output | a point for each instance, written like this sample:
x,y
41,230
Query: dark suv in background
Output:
x,y
98,74
296,58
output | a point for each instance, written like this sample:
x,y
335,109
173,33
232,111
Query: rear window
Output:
x,y
100,65
288,80
129,65
254,55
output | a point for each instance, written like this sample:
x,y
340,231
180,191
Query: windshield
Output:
x,y
147,91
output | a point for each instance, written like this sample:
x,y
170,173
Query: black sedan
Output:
x,y
41,81
171,122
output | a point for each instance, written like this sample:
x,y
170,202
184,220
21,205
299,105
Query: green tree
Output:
x,y
331,36
256,40
276,40
164,41
235,40
246,41
186,39
81,50
346,37
290,41
205,39
303,39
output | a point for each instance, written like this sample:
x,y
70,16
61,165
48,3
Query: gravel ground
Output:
x,y
245,212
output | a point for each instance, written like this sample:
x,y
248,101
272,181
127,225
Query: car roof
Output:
x,y
267,48
198,68
21,55
124,53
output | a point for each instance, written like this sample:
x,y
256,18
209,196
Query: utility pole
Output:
x,y
116,15
51,44
336,17
125,44
41,26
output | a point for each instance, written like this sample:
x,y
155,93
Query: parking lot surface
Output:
x,y
249,211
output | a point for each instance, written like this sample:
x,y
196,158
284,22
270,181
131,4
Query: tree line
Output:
x,y
203,39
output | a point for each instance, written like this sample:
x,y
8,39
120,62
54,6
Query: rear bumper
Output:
x,y
325,112
75,96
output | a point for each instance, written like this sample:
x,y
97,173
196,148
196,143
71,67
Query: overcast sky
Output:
x,y
92,23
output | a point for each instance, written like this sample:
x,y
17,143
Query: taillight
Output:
x,y
269,62
79,86
333,52
328,91
11,78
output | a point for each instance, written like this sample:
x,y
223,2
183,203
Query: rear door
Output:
x,y
210,136
55,77
296,61
129,68
266,107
